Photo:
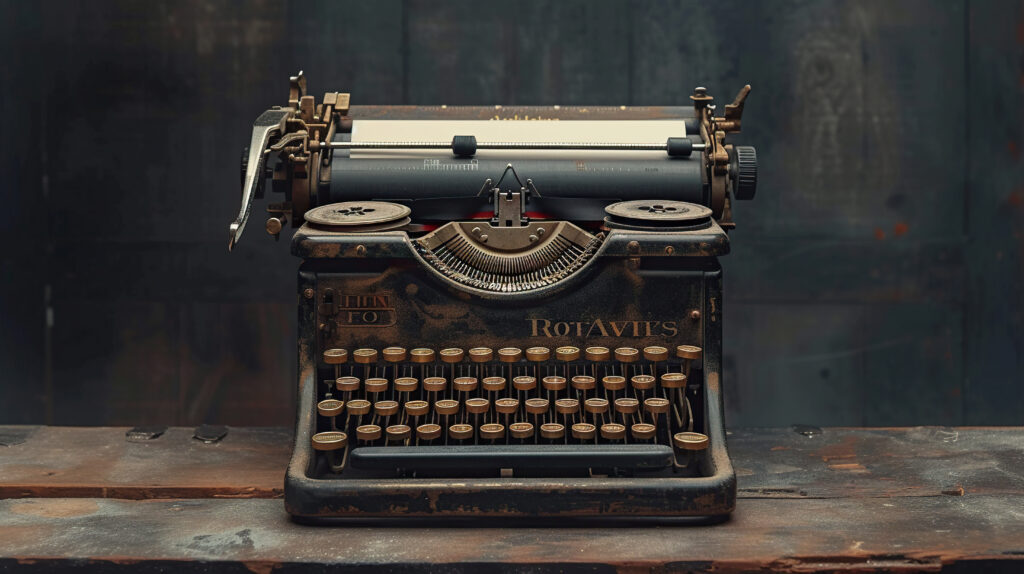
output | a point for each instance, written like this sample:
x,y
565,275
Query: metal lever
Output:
x,y
265,126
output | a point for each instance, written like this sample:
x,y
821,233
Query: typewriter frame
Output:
x,y
711,496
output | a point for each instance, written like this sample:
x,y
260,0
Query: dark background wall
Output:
x,y
877,279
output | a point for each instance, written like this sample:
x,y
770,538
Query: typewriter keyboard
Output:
x,y
511,411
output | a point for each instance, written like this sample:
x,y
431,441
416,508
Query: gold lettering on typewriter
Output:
x,y
365,311
600,328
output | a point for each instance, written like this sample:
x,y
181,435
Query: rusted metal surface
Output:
x,y
900,534
101,463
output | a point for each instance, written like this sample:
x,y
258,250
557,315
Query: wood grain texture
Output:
x,y
913,534
54,462
883,248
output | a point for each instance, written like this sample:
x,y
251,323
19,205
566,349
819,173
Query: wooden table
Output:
x,y
899,499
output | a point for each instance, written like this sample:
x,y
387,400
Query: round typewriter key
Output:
x,y
406,384
656,405
375,385
626,405
583,382
394,354
465,384
435,384
521,430
417,408
422,355
552,430
613,431
452,355
365,356
460,431
347,384
494,383
332,440
673,380
481,354
446,407
477,406
598,354
506,406
398,432
492,431
642,382
688,352
643,431
510,354
690,440
537,354
567,353
385,408
583,431
553,383
596,405
428,431
627,355
330,407
358,407
537,406
656,354
335,356
614,382
567,406
368,432
524,383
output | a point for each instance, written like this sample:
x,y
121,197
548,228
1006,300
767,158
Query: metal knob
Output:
x,y
330,407
394,354
452,355
538,354
481,354
422,355
365,356
690,441
332,440
335,356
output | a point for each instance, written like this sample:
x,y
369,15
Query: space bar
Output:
x,y
536,457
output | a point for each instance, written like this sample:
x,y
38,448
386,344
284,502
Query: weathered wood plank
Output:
x,y
831,463
101,463
930,533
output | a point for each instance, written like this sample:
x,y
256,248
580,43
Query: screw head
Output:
x,y
695,315
308,293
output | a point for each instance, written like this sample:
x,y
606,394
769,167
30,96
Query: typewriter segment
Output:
x,y
505,311
399,414
508,259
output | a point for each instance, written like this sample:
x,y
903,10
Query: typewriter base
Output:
x,y
686,286
308,498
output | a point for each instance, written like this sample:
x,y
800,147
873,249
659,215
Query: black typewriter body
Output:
x,y
479,356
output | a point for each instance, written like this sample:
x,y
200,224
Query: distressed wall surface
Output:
x,y
876,280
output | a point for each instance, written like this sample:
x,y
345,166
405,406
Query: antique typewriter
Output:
x,y
505,311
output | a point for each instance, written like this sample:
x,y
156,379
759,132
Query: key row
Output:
x,y
495,384
399,433
654,354
596,405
